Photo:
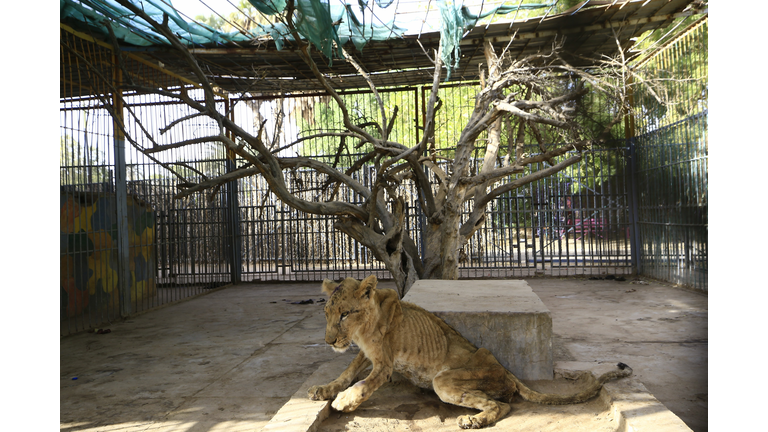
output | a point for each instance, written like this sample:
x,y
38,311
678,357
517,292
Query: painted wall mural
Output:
x,y
89,259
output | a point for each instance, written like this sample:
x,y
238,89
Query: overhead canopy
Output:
x,y
132,30
328,24
266,64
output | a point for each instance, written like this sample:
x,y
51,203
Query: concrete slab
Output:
x,y
632,406
302,414
504,316
622,406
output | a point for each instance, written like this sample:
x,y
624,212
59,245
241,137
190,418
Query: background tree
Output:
x,y
246,20
541,96
82,163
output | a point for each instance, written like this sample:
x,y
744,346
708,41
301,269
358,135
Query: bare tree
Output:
x,y
541,96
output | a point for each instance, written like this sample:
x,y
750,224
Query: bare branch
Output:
x,y
159,148
304,51
314,136
476,218
361,71
224,178
545,94
170,125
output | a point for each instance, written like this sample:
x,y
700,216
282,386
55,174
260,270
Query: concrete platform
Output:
x,y
621,406
503,316
230,360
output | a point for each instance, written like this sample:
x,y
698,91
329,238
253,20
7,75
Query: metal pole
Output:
x,y
121,200
634,232
284,235
233,209
422,218
629,135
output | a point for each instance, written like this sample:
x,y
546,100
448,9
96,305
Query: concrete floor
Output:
x,y
229,360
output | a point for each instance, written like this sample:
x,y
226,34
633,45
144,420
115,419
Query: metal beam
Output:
x,y
581,29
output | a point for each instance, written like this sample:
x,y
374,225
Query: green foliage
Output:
x,y
81,164
680,72
321,114
595,169
513,209
523,14
213,21
688,59
564,5
457,105
235,21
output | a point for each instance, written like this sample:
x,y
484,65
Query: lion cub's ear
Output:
x,y
328,287
366,287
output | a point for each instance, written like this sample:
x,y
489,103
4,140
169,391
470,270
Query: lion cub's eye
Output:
x,y
344,315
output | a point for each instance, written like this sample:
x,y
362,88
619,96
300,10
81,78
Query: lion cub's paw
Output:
x,y
470,422
319,393
350,399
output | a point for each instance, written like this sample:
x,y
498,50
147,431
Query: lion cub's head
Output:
x,y
350,310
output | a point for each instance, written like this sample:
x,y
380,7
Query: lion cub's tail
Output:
x,y
592,389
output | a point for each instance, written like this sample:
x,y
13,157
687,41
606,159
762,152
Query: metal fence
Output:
x,y
638,204
125,244
670,149
576,223
545,228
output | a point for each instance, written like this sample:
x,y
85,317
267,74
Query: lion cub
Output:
x,y
402,337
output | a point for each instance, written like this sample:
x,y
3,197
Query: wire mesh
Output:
x,y
281,243
558,226
192,233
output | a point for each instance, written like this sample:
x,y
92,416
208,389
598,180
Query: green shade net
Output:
x,y
315,22
455,19
133,30
327,24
